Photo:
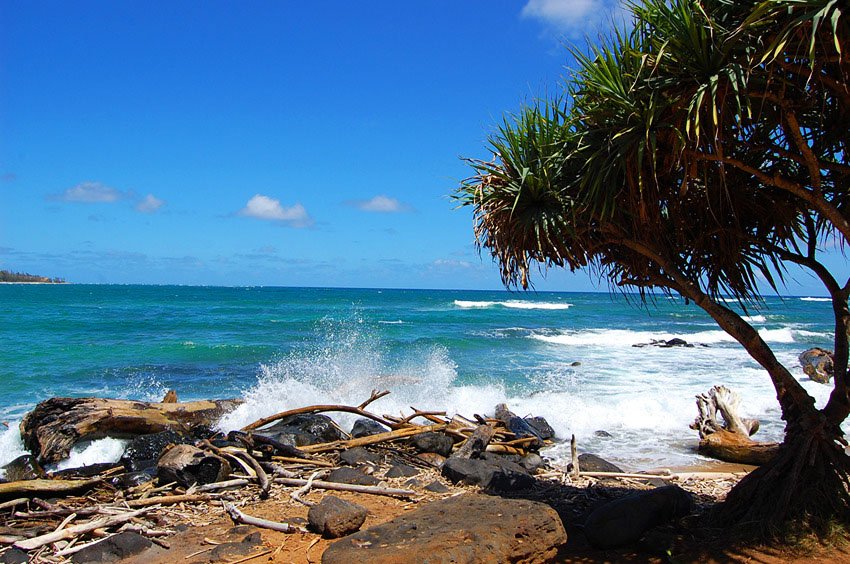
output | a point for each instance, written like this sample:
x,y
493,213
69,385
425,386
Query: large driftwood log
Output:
x,y
730,440
734,447
51,429
10,490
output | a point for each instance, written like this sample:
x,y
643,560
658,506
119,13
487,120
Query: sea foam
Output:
x,y
512,304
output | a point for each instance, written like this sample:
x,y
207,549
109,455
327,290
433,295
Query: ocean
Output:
x,y
566,356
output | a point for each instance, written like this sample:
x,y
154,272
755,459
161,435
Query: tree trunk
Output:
x,y
51,429
804,486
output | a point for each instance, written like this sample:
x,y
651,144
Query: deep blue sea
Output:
x,y
565,356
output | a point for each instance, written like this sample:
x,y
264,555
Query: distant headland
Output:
x,y
9,277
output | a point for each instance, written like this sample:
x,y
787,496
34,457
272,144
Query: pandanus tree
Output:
x,y
699,153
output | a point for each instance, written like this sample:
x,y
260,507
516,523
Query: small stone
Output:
x,y
187,465
401,471
488,474
14,556
531,461
352,476
228,550
437,487
432,458
575,363
115,548
603,434
359,455
438,443
366,427
541,426
588,462
334,517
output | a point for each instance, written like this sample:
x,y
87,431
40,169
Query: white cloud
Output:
x,y
380,204
91,192
451,263
270,209
149,204
572,16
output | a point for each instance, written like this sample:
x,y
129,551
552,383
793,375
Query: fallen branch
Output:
x,y
375,490
373,439
319,409
376,395
476,444
76,530
170,499
14,503
222,485
241,518
296,495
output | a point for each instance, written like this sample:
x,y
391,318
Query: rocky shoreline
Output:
x,y
296,488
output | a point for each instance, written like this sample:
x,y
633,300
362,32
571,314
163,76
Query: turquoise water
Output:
x,y
454,350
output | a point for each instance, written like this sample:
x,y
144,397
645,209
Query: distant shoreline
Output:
x,y
44,283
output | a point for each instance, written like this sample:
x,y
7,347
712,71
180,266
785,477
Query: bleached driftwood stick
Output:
x,y
170,499
13,503
375,490
296,495
239,517
221,485
76,530
374,439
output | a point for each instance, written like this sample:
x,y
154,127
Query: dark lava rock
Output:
x,y
303,429
437,487
250,539
25,467
488,474
130,480
187,465
466,529
625,520
591,463
401,471
334,517
438,443
518,426
531,461
14,556
359,455
113,549
352,476
541,426
143,451
817,363
432,458
366,427
601,433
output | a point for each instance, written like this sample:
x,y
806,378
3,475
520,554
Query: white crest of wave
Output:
x,y
11,446
810,299
754,318
513,304
628,338
94,452
346,368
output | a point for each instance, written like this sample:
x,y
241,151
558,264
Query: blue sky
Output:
x,y
272,143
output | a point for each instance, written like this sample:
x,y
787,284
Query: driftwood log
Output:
x,y
51,429
12,490
730,440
